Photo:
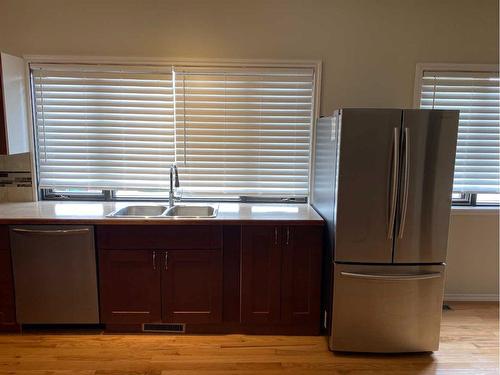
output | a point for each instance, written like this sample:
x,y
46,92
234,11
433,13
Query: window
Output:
x,y
476,94
112,132
103,129
244,131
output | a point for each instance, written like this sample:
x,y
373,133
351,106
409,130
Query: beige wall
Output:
x,y
473,261
369,47
369,51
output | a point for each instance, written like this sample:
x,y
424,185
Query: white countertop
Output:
x,y
95,213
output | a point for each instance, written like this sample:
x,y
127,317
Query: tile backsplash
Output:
x,y
15,178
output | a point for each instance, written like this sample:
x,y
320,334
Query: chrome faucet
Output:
x,y
174,175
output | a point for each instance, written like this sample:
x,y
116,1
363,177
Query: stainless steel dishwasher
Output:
x,y
55,274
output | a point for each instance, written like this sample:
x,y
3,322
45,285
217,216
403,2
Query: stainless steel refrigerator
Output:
x,y
382,180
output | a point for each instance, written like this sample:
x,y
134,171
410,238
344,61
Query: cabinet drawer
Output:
x,y
159,237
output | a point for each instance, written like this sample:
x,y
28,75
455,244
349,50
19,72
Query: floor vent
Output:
x,y
164,327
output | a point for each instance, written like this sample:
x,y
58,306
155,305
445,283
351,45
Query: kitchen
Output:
x,y
233,249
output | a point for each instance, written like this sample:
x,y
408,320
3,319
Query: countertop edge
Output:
x,y
97,213
110,221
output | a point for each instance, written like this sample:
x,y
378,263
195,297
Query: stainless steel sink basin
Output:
x,y
139,211
191,211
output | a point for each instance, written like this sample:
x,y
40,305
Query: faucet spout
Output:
x,y
174,182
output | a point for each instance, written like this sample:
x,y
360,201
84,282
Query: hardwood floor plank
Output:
x,y
469,346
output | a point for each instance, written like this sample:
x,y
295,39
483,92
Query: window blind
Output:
x,y
476,95
107,127
243,131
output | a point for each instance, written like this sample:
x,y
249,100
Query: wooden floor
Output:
x,y
469,345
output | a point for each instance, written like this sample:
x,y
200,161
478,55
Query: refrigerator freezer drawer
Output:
x,y
386,308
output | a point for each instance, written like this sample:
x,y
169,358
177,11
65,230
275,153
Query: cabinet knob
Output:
x,y
166,260
154,260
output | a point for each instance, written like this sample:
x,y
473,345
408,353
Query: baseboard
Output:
x,y
470,297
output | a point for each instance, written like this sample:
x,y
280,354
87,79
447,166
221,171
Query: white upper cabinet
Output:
x,y
13,106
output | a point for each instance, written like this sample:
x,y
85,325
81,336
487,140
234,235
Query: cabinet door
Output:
x,y
192,286
260,274
13,106
130,283
301,278
7,310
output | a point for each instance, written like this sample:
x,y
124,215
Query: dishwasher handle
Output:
x,y
51,231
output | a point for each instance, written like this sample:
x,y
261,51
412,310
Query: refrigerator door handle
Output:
x,y
394,183
406,182
410,277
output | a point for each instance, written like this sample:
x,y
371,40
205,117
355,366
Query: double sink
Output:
x,y
177,211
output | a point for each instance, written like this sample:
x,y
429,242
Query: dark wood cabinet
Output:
x,y
7,303
159,276
130,286
159,237
301,275
281,275
192,286
243,279
7,309
260,274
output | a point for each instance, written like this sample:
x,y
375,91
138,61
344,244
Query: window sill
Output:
x,y
475,210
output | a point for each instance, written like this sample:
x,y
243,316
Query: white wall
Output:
x,y
369,51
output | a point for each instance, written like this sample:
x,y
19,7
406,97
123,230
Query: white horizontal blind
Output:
x,y
476,95
107,127
244,131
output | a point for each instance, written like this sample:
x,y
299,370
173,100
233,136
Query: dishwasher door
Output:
x,y
55,274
